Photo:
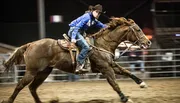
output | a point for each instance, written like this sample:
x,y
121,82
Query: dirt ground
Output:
x,y
158,91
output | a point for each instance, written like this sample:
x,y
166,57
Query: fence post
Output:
x,y
174,63
15,74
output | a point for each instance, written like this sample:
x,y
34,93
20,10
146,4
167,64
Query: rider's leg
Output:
x,y
141,65
132,67
84,51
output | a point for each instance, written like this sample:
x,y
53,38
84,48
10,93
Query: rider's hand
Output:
x,y
72,45
73,40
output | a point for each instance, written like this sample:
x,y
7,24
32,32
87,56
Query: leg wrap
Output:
x,y
123,97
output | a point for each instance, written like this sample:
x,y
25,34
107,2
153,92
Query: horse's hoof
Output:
x,y
143,85
130,101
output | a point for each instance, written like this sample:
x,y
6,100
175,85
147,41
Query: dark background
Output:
x,y
19,21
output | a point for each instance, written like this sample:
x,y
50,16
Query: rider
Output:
x,y
77,32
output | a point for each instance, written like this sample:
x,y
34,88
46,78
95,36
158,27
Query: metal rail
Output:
x,y
152,71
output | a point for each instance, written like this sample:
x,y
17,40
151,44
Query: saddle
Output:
x,y
73,50
67,45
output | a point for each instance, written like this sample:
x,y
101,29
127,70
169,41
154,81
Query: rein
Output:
x,y
100,49
138,39
130,28
127,48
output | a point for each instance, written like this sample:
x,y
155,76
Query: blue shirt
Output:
x,y
84,22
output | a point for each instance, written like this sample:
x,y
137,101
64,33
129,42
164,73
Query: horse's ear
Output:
x,y
129,22
122,20
116,21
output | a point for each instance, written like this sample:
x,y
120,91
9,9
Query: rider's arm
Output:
x,y
74,33
83,20
100,25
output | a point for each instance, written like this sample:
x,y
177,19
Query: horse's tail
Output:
x,y
16,57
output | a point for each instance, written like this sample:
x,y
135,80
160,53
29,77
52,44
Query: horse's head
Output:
x,y
136,35
119,30
131,32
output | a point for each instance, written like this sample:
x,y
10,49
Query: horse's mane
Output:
x,y
115,22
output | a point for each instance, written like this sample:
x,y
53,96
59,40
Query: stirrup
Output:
x,y
81,71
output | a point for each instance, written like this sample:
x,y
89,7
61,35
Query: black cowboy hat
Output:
x,y
98,7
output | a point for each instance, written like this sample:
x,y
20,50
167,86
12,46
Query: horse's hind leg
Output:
x,y
122,71
109,74
28,77
38,80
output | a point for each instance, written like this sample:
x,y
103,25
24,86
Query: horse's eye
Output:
x,y
139,30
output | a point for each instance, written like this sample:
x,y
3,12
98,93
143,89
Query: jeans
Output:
x,y
72,77
140,62
82,44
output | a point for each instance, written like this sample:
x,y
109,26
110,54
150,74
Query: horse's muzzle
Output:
x,y
146,45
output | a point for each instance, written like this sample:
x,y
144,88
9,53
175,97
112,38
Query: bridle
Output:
x,y
134,43
136,35
130,28
127,33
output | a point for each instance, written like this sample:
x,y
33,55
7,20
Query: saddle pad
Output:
x,y
66,45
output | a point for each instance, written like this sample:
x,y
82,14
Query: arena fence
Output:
x,y
158,63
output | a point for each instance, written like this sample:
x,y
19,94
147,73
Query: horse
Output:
x,y
43,55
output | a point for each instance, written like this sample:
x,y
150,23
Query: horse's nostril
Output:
x,y
149,42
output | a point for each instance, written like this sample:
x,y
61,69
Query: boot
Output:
x,y
80,69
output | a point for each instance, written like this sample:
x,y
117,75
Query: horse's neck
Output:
x,y
111,40
105,44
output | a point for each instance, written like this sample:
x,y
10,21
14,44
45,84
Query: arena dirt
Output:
x,y
158,91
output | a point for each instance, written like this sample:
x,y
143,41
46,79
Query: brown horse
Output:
x,y
43,55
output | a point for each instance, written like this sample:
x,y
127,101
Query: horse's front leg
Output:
x,y
110,76
122,71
